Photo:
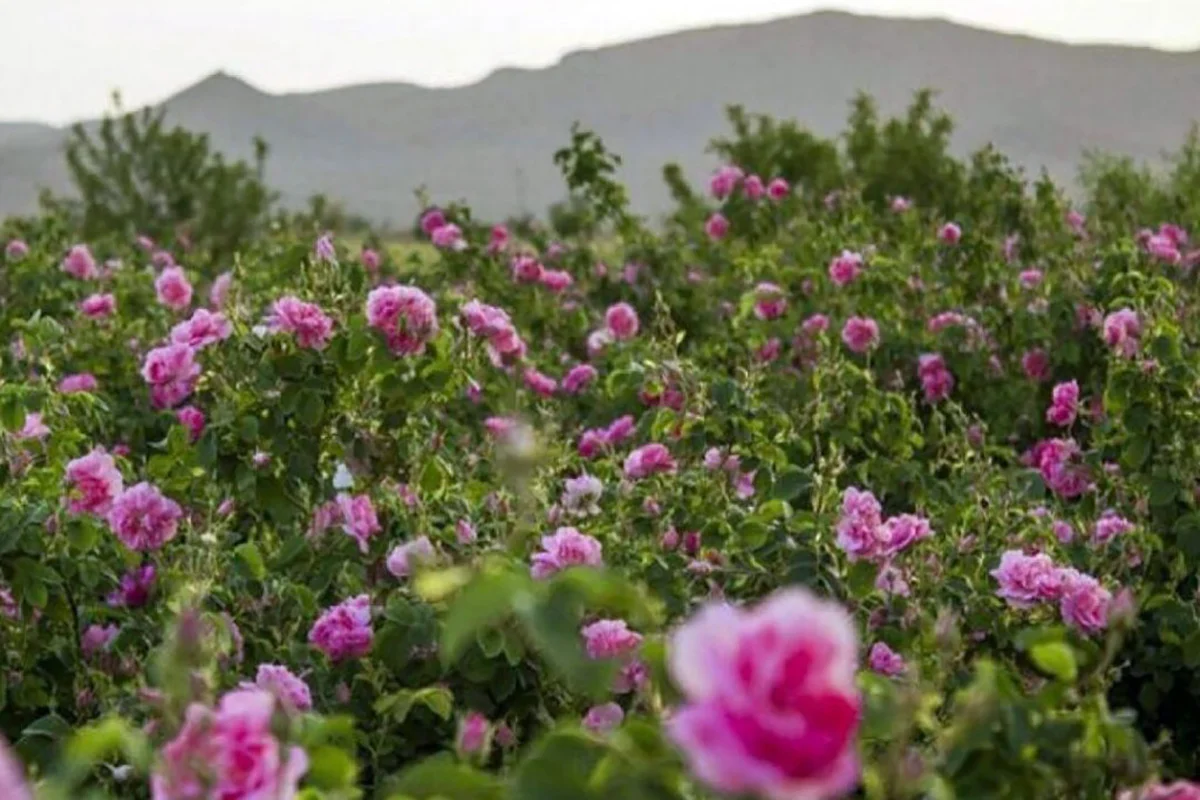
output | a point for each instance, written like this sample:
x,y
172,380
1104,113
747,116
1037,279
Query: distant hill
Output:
x,y
662,99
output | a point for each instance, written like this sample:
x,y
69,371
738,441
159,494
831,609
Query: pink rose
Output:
x,y
603,718
1122,330
845,268
191,418
860,334
80,263
33,428
292,691
173,289
306,321
98,306
769,301
1027,580
771,704
621,321
649,460
143,519
94,482
404,557
358,518
344,631
229,753
579,378
218,293
75,384
406,315
567,547
885,660
204,328
1084,603
716,227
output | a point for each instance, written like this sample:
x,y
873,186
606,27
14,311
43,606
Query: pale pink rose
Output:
x,y
404,557
1084,602
1122,331
171,372
898,533
13,785
845,268
603,718
229,753
448,237
771,709
900,204
498,239
950,233
716,227
753,187
289,689
556,280
1179,790
16,250
406,315
1064,404
218,293
769,301
579,378
98,306
724,180
93,483
204,328
344,631
143,518
97,638
1109,526
860,519
473,733
173,289
581,495
80,263
1027,580
33,428
1030,278
526,269
885,660
370,259
815,324
621,321
306,321
465,532
358,518
610,638
193,419
431,220
79,383
648,460
860,334
539,383
323,249
566,547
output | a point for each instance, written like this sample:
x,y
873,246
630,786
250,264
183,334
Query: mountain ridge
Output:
x,y
660,99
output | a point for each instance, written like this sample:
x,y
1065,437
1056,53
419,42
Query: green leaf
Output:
x,y
1056,659
440,777
860,578
792,483
250,556
1187,535
561,766
310,408
484,601
330,768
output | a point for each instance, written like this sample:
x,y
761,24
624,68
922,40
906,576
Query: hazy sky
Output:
x,y
60,59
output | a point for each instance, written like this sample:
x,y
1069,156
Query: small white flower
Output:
x,y
581,495
342,479
261,331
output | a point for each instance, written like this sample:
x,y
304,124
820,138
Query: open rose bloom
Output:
x,y
771,705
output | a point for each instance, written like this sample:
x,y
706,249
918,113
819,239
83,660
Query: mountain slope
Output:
x,y
662,99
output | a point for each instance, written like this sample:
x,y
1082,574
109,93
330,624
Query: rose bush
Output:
x,y
803,495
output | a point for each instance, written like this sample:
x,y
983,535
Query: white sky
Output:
x,y
61,59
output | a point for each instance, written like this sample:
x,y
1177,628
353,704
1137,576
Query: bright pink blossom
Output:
x,y
885,661
1064,404
772,709
171,372
937,382
344,631
218,293
229,753
80,263
648,460
281,682
78,383
1122,331
539,383
93,483
173,289
778,189
1026,580
406,315
204,328
98,306
306,321
770,302
193,419
404,557
358,518
845,268
610,638
566,547
603,718
716,227
143,518
1084,602
621,321
579,378
860,334
1036,364
950,233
